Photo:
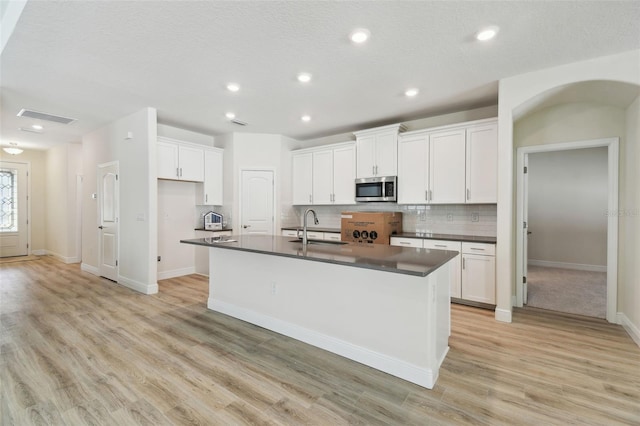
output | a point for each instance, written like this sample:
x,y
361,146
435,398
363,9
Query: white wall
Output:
x,y
138,197
629,216
63,165
568,196
514,92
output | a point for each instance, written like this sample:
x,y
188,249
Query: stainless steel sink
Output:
x,y
321,242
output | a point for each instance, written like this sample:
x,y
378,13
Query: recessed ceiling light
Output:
x,y
233,87
304,77
487,33
411,92
359,35
37,127
306,118
230,115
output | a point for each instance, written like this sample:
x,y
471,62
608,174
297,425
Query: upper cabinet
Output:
x,y
210,192
324,175
482,163
179,160
377,151
450,165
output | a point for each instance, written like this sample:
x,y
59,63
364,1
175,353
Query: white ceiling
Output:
x,y
97,61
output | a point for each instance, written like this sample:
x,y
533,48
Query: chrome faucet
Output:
x,y
304,229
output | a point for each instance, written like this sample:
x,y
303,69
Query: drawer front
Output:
x,y
406,242
289,233
442,245
479,248
332,236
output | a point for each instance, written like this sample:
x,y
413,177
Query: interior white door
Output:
x,y
525,227
256,210
14,231
108,211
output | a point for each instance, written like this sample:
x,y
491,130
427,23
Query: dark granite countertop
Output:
x,y
213,230
447,237
401,260
315,229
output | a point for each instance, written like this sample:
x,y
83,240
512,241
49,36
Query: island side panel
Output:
x,y
385,320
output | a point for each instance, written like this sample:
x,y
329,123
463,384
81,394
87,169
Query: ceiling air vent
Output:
x,y
45,116
238,122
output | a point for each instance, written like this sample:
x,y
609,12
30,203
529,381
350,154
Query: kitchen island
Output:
x,y
384,306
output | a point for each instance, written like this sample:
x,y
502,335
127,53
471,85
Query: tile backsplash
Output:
x,y
459,219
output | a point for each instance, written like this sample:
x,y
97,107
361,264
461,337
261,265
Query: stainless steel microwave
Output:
x,y
383,188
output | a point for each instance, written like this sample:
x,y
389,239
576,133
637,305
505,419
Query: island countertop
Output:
x,y
402,260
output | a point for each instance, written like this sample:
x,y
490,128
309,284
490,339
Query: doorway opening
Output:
x,y
566,241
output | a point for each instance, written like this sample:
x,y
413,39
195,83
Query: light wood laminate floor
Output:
x,y
77,349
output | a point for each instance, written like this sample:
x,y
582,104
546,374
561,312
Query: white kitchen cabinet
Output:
x,y
431,167
456,263
478,272
447,167
202,253
377,151
473,271
333,236
406,242
210,192
302,178
413,170
179,160
324,175
482,163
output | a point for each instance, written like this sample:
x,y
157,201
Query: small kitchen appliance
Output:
x,y
381,188
370,227
213,221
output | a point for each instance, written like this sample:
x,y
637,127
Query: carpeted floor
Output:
x,y
568,290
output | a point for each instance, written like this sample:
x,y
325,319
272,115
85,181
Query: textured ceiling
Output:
x,y
97,61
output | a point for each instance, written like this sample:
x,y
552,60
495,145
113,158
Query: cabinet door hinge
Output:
x,y
524,225
525,169
116,263
524,280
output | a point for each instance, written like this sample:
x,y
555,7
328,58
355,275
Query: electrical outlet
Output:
x,y
475,217
159,258
450,217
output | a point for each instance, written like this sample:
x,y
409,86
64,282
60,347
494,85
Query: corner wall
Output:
x,y
514,92
138,225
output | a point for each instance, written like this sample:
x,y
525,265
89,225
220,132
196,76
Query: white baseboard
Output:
x,y
39,252
503,315
566,265
420,375
138,286
63,259
90,269
165,275
630,327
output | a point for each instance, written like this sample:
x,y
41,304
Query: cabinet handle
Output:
x,y
463,263
206,198
376,170
426,195
177,172
474,248
430,195
180,171
468,194
441,245
310,198
404,242
373,170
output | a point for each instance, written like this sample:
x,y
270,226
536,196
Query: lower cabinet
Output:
x,y
202,253
314,235
479,273
473,271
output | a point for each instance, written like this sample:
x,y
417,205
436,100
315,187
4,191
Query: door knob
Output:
x,y
247,226
100,227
